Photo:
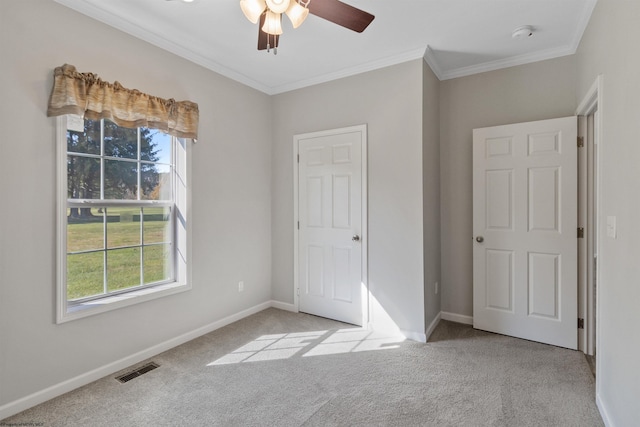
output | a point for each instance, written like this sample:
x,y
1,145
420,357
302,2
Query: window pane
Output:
x,y
123,227
120,142
85,142
113,249
83,177
156,182
157,225
120,180
85,229
85,275
155,146
157,263
123,269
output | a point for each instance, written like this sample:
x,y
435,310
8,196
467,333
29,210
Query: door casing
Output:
x,y
587,307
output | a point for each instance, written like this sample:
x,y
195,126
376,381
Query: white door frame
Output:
x,y
364,236
590,336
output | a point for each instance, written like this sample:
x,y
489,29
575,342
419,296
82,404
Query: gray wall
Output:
x,y
242,186
610,47
389,100
231,172
538,91
431,191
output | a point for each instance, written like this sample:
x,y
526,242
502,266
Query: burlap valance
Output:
x,y
86,94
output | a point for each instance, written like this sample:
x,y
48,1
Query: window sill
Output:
x,y
70,312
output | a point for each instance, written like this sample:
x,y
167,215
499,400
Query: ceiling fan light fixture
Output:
x,y
252,9
272,23
335,11
278,6
297,13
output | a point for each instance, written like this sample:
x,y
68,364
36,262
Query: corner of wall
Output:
x,y
431,195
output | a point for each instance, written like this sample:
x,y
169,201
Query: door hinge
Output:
x,y
298,225
298,158
580,323
298,291
580,233
580,141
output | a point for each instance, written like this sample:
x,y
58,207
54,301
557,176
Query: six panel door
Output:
x,y
525,230
329,213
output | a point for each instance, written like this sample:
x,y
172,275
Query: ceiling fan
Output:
x,y
269,14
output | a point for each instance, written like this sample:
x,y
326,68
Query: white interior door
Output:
x,y
330,234
525,230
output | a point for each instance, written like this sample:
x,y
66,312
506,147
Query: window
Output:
x,y
122,216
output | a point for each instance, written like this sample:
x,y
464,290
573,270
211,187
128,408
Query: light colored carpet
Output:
x,y
277,368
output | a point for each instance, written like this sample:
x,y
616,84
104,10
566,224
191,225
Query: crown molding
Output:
x,y
570,49
134,30
582,23
508,62
350,71
431,61
427,54
161,42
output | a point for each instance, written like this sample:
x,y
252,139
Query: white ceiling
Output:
x,y
456,37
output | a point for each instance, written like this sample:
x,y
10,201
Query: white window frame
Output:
x,y
182,238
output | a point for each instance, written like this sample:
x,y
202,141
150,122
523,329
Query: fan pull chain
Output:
x,y
275,45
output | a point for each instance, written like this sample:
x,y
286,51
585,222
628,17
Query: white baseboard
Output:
x,y
603,411
41,396
414,336
458,318
432,326
284,306
411,335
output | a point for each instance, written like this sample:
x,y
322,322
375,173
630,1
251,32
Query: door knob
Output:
x,y
355,238
479,239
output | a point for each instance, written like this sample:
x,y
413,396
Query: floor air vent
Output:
x,y
140,371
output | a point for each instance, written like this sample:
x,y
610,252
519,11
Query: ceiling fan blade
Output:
x,y
263,37
341,13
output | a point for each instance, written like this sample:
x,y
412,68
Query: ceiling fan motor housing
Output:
x,y
278,6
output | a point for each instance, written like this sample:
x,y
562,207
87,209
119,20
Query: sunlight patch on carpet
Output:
x,y
314,343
